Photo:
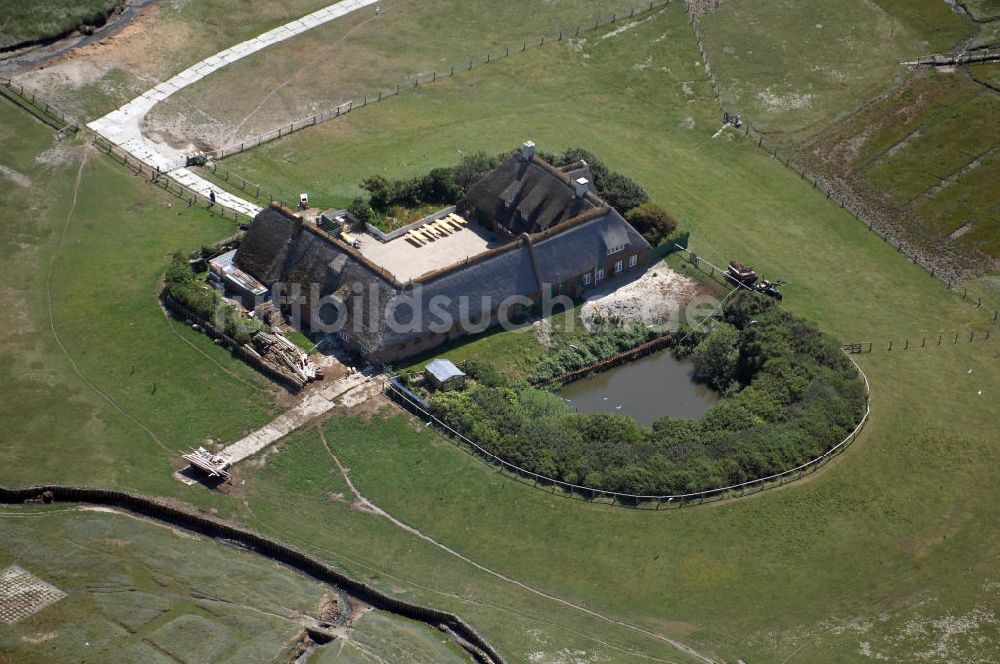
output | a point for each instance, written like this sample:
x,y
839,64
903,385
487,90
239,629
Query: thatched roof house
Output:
x,y
582,244
525,194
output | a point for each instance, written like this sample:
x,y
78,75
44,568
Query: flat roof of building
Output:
x,y
405,259
223,264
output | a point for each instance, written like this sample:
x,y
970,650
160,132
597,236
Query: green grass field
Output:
x,y
791,68
137,591
890,550
363,54
920,155
29,21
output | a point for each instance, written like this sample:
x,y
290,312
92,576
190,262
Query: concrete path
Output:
x,y
123,126
357,386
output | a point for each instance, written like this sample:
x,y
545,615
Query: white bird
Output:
x,y
969,371
980,393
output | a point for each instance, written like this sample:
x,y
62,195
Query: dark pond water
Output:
x,y
646,390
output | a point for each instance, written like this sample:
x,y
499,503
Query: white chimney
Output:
x,y
582,187
528,150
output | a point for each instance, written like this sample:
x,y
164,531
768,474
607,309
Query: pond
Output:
x,y
646,390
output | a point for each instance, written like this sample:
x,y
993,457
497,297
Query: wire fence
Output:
x,y
162,180
382,94
37,106
252,190
845,202
413,404
407,400
922,342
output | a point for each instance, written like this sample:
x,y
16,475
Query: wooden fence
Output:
x,y
346,107
845,202
603,365
162,180
38,107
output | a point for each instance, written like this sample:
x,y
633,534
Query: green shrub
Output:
x,y
802,396
652,221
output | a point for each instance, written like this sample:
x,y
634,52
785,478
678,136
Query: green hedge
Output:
x,y
790,394
205,302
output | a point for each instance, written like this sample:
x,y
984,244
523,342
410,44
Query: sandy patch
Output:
x,y
657,297
38,638
624,28
774,102
19,179
543,332
61,152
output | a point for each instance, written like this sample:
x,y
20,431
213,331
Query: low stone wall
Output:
x,y
400,232
475,644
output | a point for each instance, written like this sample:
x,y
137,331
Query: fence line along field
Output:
x,y
887,552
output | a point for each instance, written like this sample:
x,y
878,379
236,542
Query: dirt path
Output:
x,y
52,324
363,503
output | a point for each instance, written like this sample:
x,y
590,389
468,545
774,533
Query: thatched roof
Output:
x,y
529,196
279,248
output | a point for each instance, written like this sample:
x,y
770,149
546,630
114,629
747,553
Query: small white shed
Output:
x,y
444,375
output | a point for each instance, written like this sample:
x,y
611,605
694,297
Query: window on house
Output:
x,y
633,260
598,274
615,249
618,266
586,279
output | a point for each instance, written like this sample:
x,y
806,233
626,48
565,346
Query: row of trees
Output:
x,y
789,395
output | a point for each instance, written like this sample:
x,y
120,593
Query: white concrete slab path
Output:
x,y
123,126
351,389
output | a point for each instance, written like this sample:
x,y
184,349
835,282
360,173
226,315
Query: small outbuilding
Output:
x,y
444,375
